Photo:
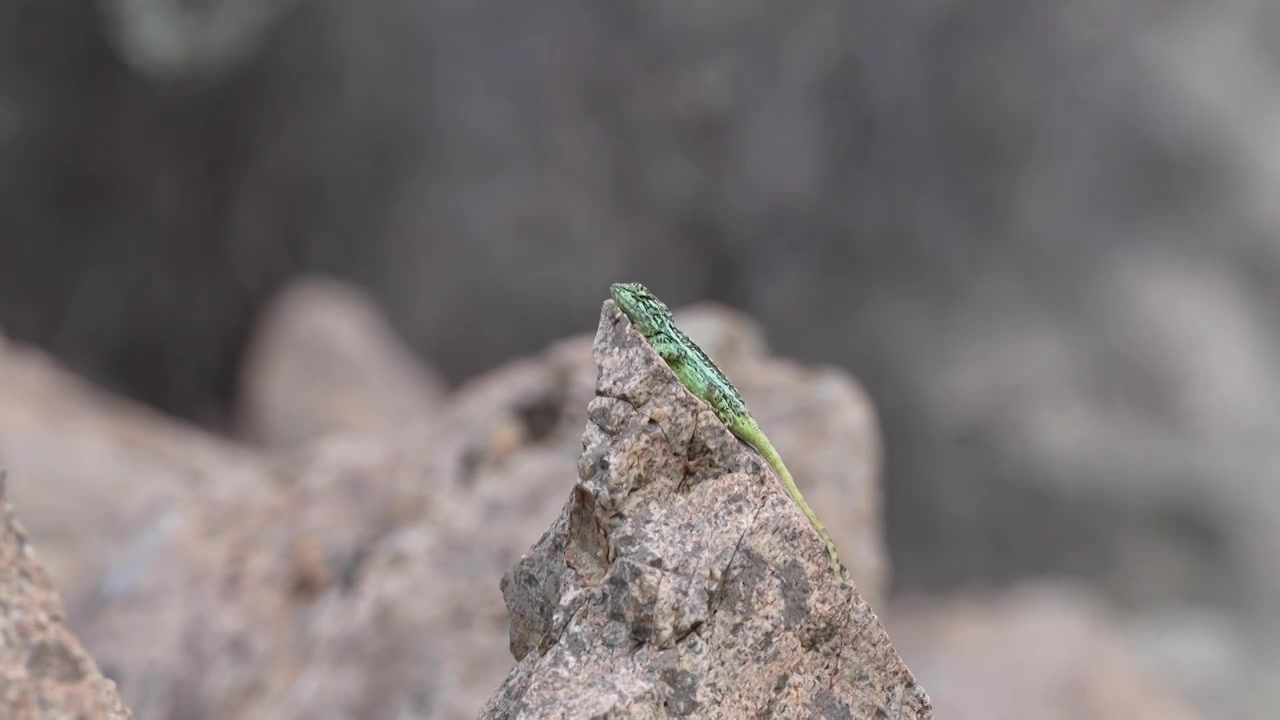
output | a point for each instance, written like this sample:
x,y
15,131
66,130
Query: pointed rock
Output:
x,y
680,579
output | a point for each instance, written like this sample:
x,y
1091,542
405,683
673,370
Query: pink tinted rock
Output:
x,y
44,671
680,579
1046,651
323,361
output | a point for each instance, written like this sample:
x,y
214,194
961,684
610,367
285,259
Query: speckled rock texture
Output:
x,y
356,574
680,580
44,672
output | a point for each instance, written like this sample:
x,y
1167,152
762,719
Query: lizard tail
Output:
x,y
757,439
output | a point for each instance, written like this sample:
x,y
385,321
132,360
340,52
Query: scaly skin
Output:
x,y
701,377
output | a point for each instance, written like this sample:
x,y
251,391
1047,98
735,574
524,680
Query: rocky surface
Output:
x,y
1046,651
680,580
356,576
324,361
103,482
45,674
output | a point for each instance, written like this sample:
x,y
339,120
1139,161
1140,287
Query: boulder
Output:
x,y
680,580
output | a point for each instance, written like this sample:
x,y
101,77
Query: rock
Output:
x,y
680,579
825,427
1224,665
44,672
422,631
237,599
1040,651
324,361
100,480
358,575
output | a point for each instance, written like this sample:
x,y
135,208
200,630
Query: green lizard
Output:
x,y
701,377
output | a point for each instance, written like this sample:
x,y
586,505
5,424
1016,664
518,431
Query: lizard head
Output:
x,y
645,311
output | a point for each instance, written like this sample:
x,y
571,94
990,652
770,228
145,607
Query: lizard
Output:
x,y
701,377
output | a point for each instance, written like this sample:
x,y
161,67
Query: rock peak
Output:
x,y
679,579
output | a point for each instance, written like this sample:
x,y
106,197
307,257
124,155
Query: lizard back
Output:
x,y
697,372
709,382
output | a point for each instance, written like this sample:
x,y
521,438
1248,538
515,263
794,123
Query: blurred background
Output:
x,y
1043,236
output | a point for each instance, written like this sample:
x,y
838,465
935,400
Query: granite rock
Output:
x,y
679,579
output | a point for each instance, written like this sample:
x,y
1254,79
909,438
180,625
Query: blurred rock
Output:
x,y
681,580
1145,439
1224,664
1045,651
101,480
245,594
44,672
324,361
424,603
358,576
